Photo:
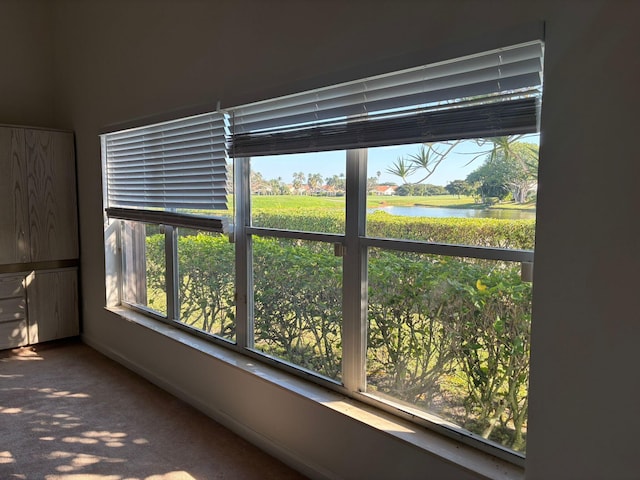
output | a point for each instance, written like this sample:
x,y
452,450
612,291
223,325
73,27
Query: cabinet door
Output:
x,y
53,305
13,315
51,182
14,224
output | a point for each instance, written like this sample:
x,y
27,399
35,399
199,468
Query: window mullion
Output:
x,y
172,279
244,273
120,259
355,274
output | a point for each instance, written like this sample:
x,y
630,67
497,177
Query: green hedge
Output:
x,y
486,232
450,335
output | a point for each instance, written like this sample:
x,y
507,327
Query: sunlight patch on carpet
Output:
x,y
6,457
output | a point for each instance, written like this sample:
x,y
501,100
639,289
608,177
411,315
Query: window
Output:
x,y
361,257
166,192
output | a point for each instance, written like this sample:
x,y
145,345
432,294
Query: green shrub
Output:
x,y
451,335
303,220
486,232
297,303
448,334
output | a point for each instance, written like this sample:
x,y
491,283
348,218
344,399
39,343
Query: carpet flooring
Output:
x,y
69,413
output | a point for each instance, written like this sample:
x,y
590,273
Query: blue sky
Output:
x,y
455,167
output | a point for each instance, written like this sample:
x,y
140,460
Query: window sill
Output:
x,y
449,450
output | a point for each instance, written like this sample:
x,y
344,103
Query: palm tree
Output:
x,y
401,168
298,179
429,158
314,180
425,161
257,181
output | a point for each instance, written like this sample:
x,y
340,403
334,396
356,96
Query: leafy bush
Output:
x,y
488,232
450,335
206,283
297,303
303,220
206,280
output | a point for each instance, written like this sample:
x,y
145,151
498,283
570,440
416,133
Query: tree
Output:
x,y
337,182
405,190
523,172
424,162
314,180
429,157
258,183
277,186
511,166
429,189
458,187
401,168
299,178
488,181
372,182
230,177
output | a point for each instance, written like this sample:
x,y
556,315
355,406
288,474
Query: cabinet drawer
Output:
x,y
53,305
12,309
11,287
13,334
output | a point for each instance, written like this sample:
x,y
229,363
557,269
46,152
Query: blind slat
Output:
x,y
510,117
198,153
182,124
199,222
208,135
519,66
173,165
486,95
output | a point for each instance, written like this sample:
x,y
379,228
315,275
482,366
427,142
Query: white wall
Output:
x,y
26,63
116,61
585,382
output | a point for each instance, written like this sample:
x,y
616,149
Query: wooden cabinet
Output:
x,y
53,305
14,213
13,311
38,220
38,236
51,184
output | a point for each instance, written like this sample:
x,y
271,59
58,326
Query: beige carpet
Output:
x,y
67,412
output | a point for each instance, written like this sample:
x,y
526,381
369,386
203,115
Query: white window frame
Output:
x,y
355,309
355,243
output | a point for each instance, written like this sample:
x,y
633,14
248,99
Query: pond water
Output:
x,y
443,212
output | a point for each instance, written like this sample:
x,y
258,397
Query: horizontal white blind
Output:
x,y
499,76
496,119
174,165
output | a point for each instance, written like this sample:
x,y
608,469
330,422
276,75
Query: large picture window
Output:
x,y
381,240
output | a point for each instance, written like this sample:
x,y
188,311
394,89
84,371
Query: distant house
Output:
x,y
331,191
303,189
383,190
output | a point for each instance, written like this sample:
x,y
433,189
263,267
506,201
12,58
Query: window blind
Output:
x,y
495,93
198,222
174,165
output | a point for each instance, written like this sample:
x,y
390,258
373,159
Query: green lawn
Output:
x,y
272,202
516,206
430,201
286,202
